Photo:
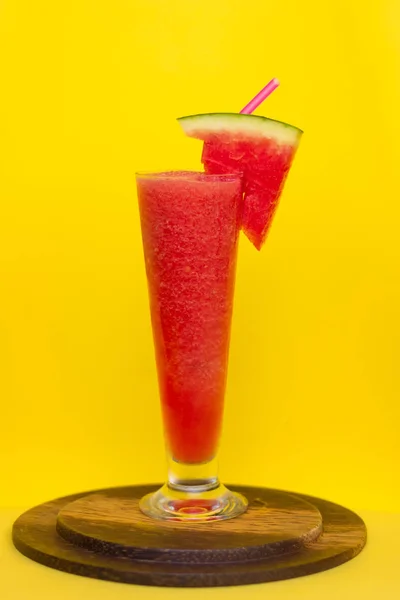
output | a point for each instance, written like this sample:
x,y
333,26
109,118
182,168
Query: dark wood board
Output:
x,y
104,535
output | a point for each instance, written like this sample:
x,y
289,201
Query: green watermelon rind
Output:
x,y
198,126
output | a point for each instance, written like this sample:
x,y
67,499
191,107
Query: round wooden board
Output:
x,y
104,535
110,522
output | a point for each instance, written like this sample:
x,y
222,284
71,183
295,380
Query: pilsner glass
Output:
x,y
190,227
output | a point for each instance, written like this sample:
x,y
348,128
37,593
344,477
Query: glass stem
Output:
x,y
193,492
193,478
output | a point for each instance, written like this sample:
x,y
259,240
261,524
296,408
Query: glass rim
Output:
x,y
189,175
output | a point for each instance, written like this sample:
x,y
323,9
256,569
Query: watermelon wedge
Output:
x,y
262,149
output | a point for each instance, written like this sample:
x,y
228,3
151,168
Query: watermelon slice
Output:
x,y
262,149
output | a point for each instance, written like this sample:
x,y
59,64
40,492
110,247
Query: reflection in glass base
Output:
x,y
192,504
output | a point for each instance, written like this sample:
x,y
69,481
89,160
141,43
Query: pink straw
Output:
x,y
265,92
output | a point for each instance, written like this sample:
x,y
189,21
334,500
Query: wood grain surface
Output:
x,y
112,523
104,535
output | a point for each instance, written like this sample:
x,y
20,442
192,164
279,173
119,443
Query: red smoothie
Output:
x,y
190,226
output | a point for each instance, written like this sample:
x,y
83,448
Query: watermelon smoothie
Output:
x,y
190,226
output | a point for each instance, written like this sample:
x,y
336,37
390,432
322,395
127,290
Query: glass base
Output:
x,y
189,503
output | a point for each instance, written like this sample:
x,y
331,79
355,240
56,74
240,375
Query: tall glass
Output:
x,y
190,225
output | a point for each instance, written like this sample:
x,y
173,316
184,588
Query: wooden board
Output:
x,y
104,535
111,523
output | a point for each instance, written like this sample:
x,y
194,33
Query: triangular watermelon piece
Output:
x,y
262,149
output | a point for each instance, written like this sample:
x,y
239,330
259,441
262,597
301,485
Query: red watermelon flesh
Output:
x,y
264,165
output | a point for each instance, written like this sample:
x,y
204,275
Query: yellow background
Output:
x,y
90,90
